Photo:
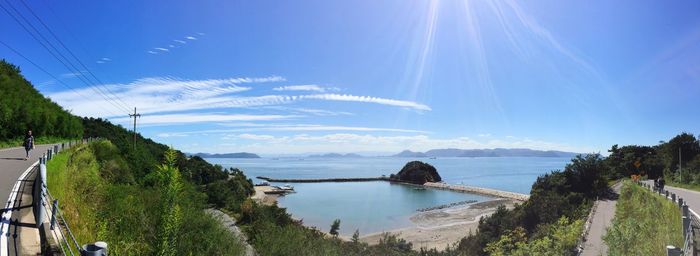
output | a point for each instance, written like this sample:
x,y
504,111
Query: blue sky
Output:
x,y
280,77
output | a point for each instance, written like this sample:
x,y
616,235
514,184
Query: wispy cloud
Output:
x,y
368,99
190,38
151,52
307,87
103,60
73,74
179,41
165,94
258,127
162,49
201,118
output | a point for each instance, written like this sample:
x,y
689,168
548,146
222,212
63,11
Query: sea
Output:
x,y
379,206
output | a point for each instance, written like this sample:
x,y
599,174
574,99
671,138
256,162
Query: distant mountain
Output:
x,y
228,155
408,153
335,155
496,152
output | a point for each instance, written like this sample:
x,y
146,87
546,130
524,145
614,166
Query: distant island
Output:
x,y
228,155
335,155
496,152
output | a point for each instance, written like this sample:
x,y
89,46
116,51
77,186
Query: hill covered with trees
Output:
x,y
23,108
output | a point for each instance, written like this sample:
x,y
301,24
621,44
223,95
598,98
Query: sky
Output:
x,y
292,77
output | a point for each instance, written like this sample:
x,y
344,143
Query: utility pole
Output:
x,y
135,115
680,170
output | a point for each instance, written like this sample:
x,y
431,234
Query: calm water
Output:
x,y
380,206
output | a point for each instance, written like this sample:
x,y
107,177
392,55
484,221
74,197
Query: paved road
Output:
x,y
25,237
690,197
603,214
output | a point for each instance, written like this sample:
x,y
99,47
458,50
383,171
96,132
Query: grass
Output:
x,y
644,224
98,206
18,142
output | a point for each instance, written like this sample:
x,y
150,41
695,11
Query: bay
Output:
x,y
381,206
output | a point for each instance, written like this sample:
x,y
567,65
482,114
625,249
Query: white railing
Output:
x,y
47,211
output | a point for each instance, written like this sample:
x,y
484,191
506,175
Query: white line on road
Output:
x,y
7,215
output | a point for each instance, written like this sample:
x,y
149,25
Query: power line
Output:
x,y
70,52
49,74
62,59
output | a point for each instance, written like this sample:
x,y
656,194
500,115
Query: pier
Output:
x,y
437,185
478,190
323,180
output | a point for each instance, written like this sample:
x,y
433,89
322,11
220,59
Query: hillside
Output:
x,y
496,152
23,108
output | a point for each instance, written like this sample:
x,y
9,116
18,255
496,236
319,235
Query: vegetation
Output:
x,y
560,195
417,172
335,227
644,224
23,108
132,218
557,241
17,142
659,160
143,198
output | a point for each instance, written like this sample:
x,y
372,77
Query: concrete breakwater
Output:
x,y
324,180
446,206
438,185
478,190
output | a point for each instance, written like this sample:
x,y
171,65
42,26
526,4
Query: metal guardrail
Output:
x,y
48,212
690,222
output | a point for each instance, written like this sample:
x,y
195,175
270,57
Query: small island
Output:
x,y
417,172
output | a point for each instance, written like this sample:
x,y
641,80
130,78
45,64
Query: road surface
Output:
x,y
690,197
18,232
602,217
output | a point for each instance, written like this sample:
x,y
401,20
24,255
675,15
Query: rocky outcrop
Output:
x,y
417,172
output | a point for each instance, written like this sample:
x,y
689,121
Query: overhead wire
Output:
x,y
51,75
71,53
62,59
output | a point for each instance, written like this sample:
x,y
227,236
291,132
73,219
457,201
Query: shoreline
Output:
x,y
432,229
437,185
438,229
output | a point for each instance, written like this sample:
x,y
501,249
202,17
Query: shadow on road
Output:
x,y
12,158
610,194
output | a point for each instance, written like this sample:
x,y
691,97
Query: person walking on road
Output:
x,y
662,182
28,144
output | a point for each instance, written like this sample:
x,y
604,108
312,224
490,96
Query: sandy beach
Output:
x,y
440,228
432,229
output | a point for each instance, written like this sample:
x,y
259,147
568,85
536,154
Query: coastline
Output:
x,y
262,198
437,185
438,229
432,229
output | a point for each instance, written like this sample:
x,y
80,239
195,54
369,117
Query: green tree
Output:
x,y
335,227
171,221
356,237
